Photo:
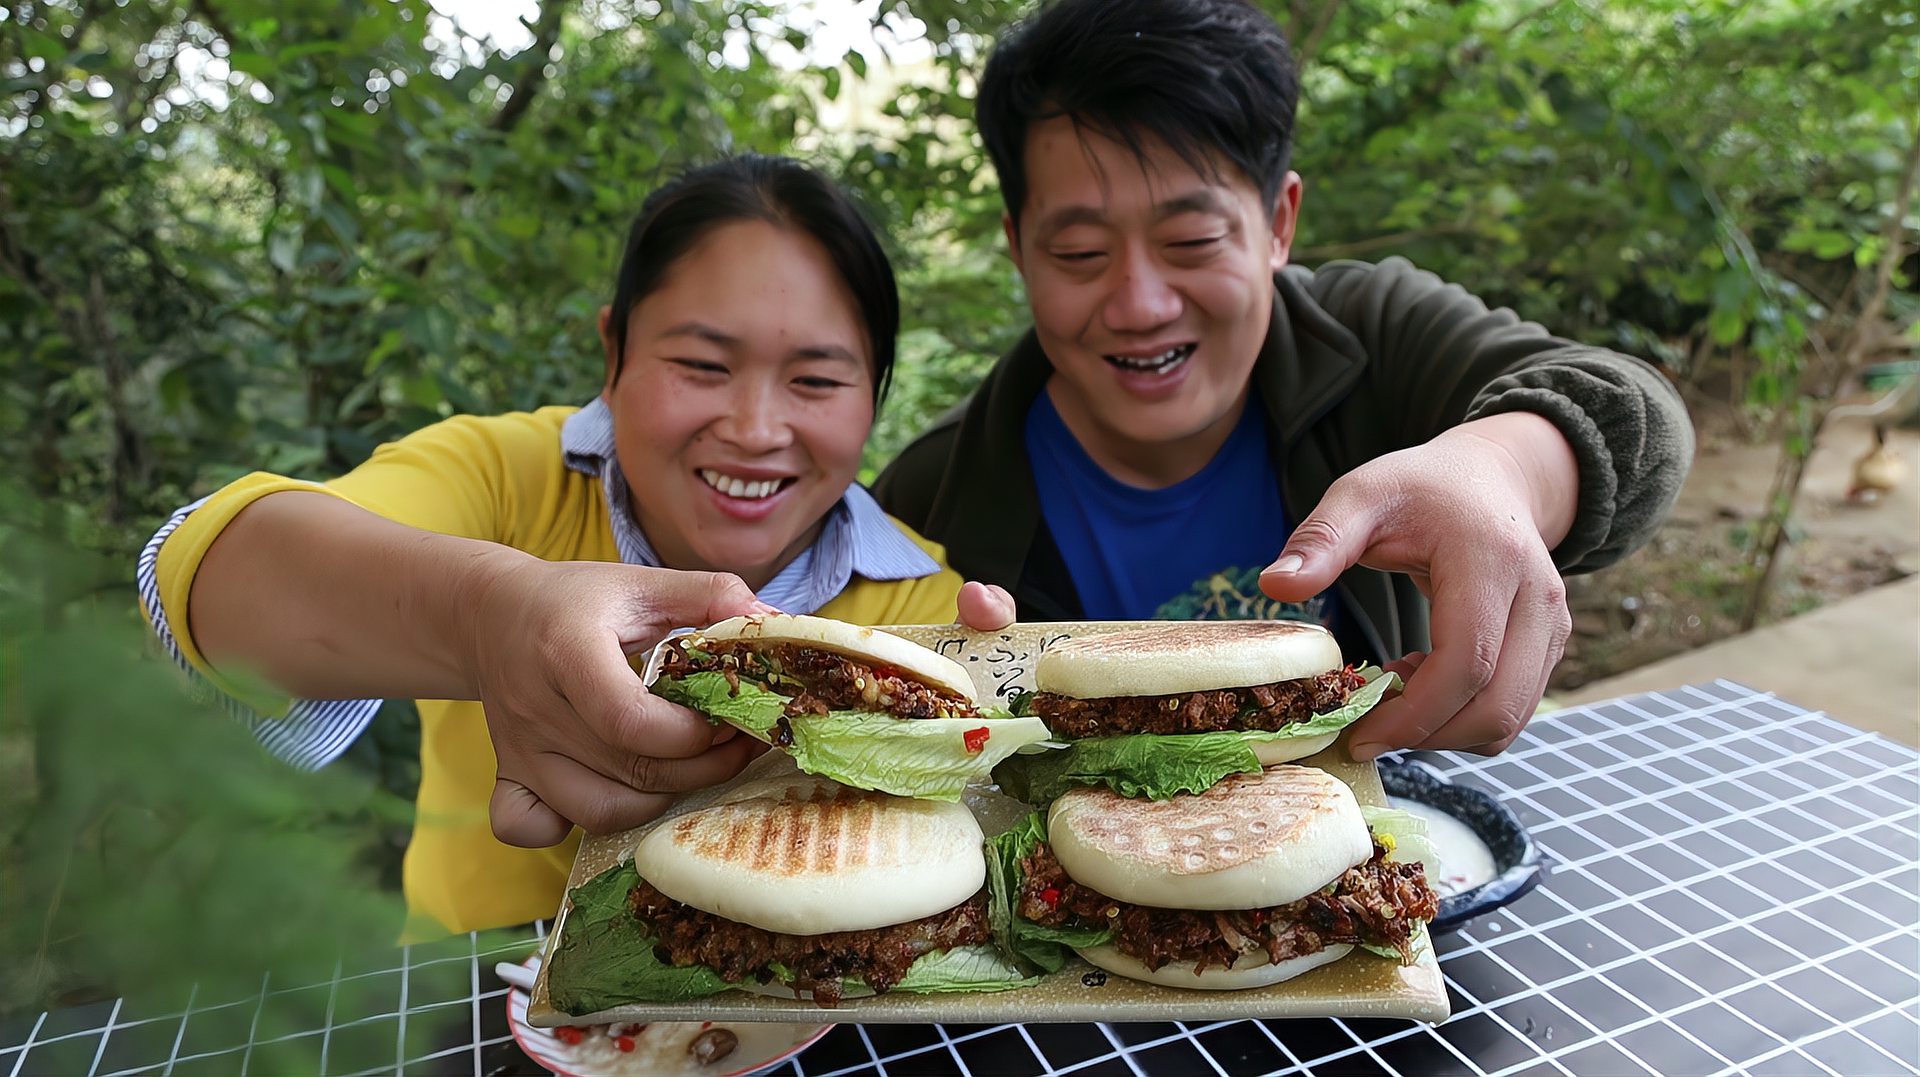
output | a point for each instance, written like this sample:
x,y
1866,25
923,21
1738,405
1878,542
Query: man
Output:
x,y
1187,401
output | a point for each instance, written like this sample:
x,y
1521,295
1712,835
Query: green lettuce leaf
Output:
x,y
920,757
1147,765
1404,833
1416,943
963,968
603,960
1157,766
1047,948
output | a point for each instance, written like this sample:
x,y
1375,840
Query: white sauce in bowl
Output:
x,y
1465,860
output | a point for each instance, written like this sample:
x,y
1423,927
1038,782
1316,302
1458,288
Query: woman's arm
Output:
x,y
329,601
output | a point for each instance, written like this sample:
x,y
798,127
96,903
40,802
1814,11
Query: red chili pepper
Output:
x,y
887,671
625,1043
569,1035
1051,895
976,739
1259,917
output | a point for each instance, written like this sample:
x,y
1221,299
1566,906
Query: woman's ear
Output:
x,y
612,349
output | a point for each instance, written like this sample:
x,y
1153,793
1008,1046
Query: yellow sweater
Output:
x,y
502,479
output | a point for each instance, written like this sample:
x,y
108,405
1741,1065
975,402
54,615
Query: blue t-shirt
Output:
x,y
1191,551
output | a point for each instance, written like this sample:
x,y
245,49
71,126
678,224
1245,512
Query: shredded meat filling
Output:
x,y
816,681
1265,707
1378,903
879,958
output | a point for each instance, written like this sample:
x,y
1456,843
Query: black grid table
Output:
x,y
1734,887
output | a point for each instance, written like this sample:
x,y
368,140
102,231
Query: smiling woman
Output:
x,y
516,561
742,400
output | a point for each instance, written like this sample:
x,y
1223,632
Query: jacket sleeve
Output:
x,y
1437,357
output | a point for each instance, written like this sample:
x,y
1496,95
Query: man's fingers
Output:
x,y
984,607
521,818
1470,614
1407,664
1329,541
1535,638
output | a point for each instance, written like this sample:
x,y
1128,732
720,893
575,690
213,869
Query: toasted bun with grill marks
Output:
x,y
868,645
804,855
1243,974
1250,842
1189,656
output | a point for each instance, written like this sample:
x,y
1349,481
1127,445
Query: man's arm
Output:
x,y
1520,456
1438,357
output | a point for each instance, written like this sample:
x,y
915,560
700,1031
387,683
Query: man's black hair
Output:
x,y
780,191
1213,79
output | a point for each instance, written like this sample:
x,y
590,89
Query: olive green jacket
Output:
x,y
1360,360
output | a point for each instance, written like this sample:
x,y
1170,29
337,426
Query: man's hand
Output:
x,y
1471,517
985,607
577,737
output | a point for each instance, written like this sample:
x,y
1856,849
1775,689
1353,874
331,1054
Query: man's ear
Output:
x,y
1286,215
1013,241
612,349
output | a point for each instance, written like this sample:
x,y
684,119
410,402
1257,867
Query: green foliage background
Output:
x,y
240,234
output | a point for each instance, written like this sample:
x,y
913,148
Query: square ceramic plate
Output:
x,y
1358,985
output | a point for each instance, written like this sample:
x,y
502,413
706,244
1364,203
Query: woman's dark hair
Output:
x,y
1212,79
780,191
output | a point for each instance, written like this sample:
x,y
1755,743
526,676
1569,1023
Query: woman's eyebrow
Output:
x,y
702,331
825,351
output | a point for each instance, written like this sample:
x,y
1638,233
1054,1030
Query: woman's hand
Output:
x,y
578,738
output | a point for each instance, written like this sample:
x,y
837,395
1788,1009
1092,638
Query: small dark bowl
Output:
x,y
1517,860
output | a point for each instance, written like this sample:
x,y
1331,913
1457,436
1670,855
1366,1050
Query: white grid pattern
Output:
x,y
1640,803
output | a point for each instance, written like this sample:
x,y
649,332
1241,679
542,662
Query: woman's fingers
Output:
x,y
581,796
521,818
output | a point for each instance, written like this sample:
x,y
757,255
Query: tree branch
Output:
x,y
1303,52
203,11
552,14
1364,246
1892,247
53,71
